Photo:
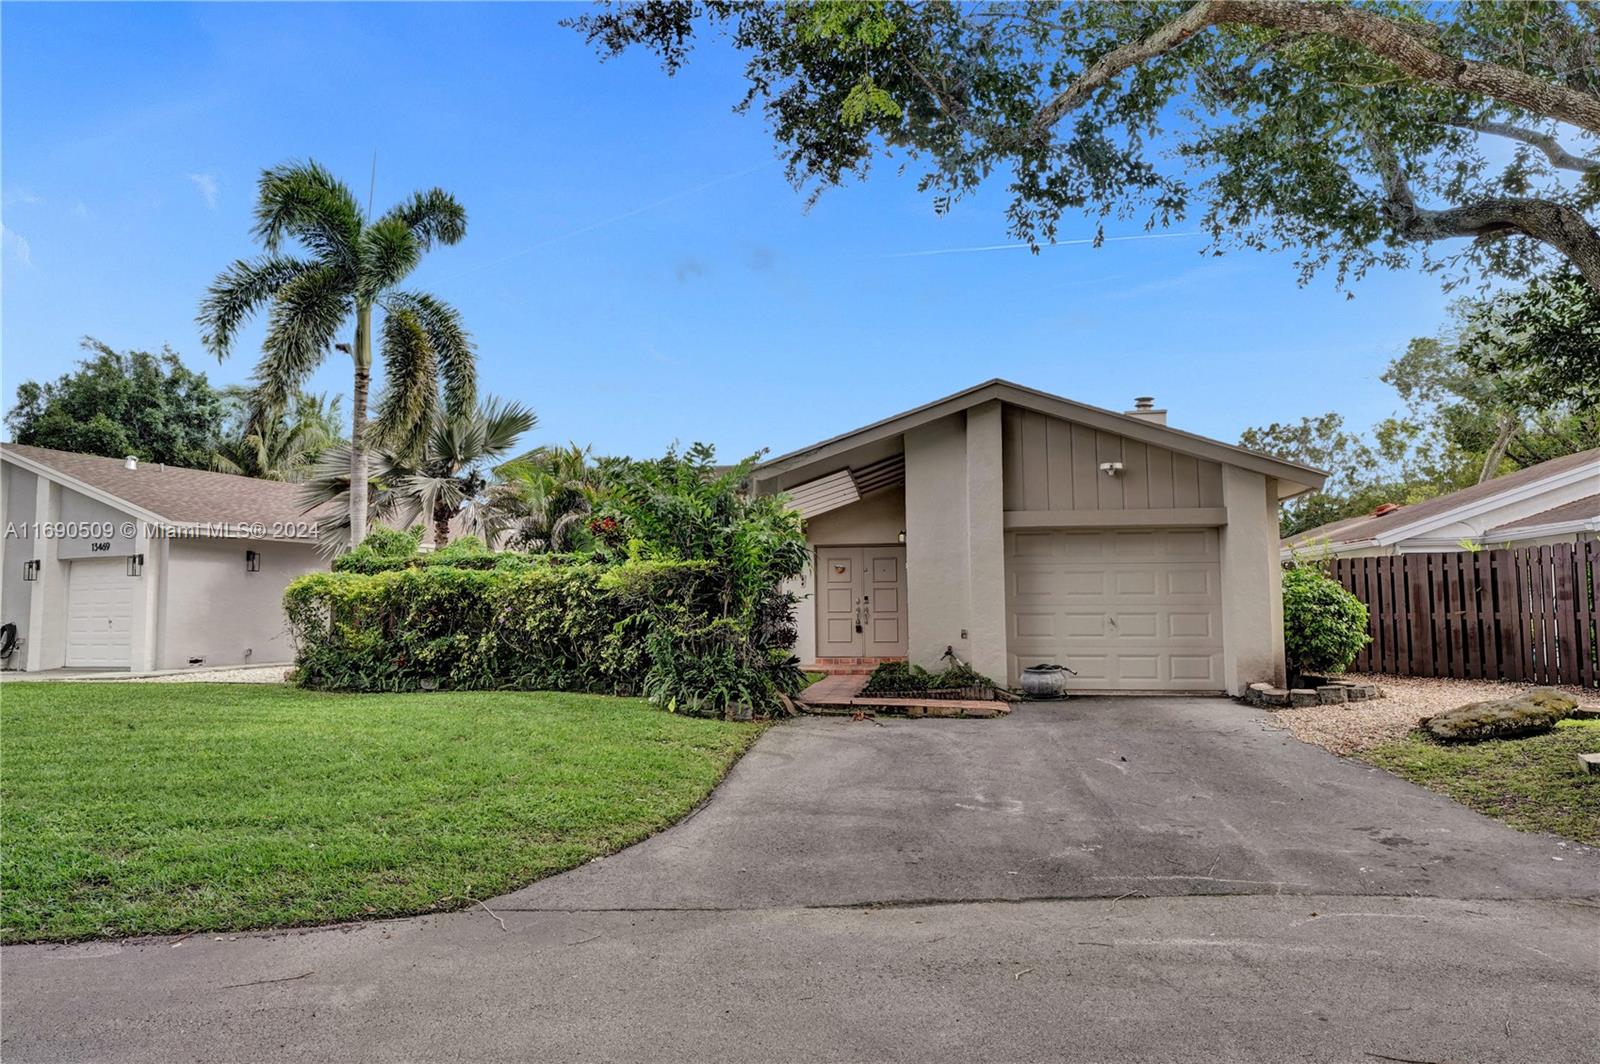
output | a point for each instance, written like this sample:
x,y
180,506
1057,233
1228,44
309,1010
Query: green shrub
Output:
x,y
1505,718
685,604
1324,626
901,678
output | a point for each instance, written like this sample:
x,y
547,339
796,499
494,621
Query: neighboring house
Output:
x,y
1016,528
108,563
1553,502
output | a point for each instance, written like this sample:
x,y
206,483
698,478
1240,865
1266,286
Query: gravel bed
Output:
x,y
1345,729
242,674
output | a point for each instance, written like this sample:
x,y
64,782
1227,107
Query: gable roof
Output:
x,y
1294,479
1412,519
1576,515
174,495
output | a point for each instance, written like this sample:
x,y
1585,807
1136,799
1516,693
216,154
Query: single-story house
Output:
x,y
111,563
1015,527
1553,502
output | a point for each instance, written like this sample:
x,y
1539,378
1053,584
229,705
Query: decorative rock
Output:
x,y
1302,696
1590,763
1586,713
1526,714
1333,694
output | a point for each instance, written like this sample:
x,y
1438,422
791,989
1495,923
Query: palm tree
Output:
x,y
273,444
448,480
348,264
545,496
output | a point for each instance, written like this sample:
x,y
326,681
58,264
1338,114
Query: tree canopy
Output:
x,y
118,403
1478,403
1355,135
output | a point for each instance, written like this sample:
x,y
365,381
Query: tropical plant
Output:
x,y
118,403
1324,625
546,497
274,444
447,482
349,264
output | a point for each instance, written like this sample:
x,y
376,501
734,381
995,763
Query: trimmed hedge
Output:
x,y
629,629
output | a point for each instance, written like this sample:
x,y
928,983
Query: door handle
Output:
x,y
866,610
858,616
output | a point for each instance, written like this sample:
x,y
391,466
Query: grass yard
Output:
x,y
1534,783
133,809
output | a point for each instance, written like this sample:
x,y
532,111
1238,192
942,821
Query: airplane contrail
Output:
x,y
614,219
1054,244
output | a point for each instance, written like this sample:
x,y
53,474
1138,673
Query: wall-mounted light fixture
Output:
x,y
135,564
1111,469
252,561
30,571
902,535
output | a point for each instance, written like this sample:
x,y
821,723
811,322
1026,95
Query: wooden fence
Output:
x,y
1527,614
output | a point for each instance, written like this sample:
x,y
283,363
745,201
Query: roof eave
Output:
x,y
1301,478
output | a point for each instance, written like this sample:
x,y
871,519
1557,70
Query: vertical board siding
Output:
x,y
1529,614
1052,464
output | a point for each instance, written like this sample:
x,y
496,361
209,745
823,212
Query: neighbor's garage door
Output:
x,y
100,613
1130,610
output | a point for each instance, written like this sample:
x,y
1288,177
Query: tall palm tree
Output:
x,y
276,444
447,481
545,496
346,265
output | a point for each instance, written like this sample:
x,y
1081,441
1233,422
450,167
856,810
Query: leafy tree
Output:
x,y
1545,339
349,264
1481,400
1356,134
276,444
121,403
448,479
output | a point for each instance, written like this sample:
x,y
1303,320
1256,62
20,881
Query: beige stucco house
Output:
x,y
1015,528
112,564
1553,502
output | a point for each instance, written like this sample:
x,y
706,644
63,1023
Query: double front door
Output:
x,y
861,602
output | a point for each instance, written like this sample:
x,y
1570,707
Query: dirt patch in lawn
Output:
x,y
1356,726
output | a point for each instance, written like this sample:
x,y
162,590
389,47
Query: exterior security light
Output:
x,y
252,561
135,564
30,571
1111,469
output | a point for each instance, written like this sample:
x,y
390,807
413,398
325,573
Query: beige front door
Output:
x,y
861,602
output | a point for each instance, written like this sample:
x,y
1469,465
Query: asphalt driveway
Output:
x,y
1134,879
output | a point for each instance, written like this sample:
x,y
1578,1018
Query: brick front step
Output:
x,y
847,666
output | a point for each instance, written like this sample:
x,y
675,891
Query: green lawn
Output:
x,y
1534,783
135,809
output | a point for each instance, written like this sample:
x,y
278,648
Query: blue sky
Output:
x,y
635,268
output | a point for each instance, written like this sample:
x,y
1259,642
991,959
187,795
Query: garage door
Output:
x,y
1130,610
100,596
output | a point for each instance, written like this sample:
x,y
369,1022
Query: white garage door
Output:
x,y
1130,610
100,596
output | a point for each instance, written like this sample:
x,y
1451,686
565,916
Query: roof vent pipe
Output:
x,y
1144,408
130,462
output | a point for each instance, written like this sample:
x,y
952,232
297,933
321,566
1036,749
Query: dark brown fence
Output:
x,y
1526,614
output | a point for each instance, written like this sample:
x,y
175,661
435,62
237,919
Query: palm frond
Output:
x,y
305,202
452,346
237,293
434,216
504,421
305,317
411,390
389,251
